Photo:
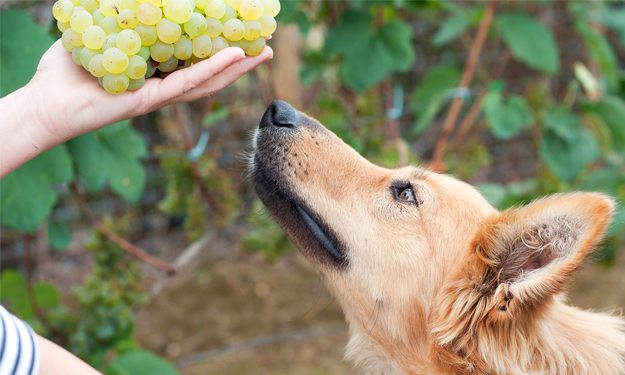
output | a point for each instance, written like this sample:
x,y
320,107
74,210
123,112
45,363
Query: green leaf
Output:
x,y
430,96
564,123
506,118
530,42
14,294
351,36
111,153
59,236
313,67
612,110
290,13
28,194
451,29
567,160
215,116
493,192
47,295
22,43
140,363
396,37
600,50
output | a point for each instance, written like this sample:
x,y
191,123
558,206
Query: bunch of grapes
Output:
x,y
123,42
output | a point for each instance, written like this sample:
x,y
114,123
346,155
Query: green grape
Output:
x,y
202,46
192,2
183,48
115,61
75,2
93,37
215,9
136,84
127,19
76,55
168,31
251,10
214,27
201,4
97,16
169,65
267,24
186,64
252,29
158,3
62,26
66,39
147,34
195,59
256,46
149,14
234,30
219,43
136,67
160,51
90,5
62,10
76,39
110,42
110,8
96,67
109,24
144,52
271,7
244,44
230,14
235,4
235,44
80,20
179,11
129,42
115,83
78,8
151,70
129,4
196,25
86,55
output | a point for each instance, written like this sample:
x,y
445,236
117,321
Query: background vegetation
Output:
x,y
522,99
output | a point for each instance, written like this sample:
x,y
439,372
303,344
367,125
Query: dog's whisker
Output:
x,y
317,296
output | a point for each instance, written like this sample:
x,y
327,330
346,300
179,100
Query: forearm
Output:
x,y
58,361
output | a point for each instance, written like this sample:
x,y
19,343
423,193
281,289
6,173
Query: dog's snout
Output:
x,y
279,114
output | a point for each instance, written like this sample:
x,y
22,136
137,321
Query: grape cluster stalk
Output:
x,y
124,42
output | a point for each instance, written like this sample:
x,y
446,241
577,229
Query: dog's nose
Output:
x,y
279,114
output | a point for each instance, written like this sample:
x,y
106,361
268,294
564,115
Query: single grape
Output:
x,y
201,4
127,19
183,48
158,3
136,84
76,39
62,26
110,8
168,31
97,16
179,11
85,56
267,24
80,20
214,27
136,67
76,55
144,52
160,51
251,9
196,25
149,14
147,34
230,14
62,10
93,37
110,42
151,70
245,44
109,24
129,4
169,65
115,83
192,2
234,30
252,29
96,67
78,8
235,4
271,7
215,9
66,39
234,44
195,59
90,5
75,2
115,61
256,46
219,43
202,46
129,42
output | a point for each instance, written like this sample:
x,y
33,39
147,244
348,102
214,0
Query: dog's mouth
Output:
x,y
320,234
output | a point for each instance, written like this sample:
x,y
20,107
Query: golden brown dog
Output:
x,y
432,279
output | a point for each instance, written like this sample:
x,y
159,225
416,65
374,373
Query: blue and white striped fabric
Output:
x,y
19,349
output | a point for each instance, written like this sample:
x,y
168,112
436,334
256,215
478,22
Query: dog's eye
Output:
x,y
406,195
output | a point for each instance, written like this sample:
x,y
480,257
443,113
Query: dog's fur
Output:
x,y
444,284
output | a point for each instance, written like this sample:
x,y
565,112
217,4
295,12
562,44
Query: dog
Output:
x,y
431,278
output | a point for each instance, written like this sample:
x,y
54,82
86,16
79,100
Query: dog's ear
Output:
x,y
528,254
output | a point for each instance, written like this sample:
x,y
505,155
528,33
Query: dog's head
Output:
x,y
421,263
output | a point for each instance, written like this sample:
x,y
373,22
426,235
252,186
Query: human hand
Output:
x,y
70,101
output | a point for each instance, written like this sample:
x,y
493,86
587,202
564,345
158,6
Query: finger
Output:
x,y
226,77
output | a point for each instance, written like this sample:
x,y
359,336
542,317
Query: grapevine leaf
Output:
x,y
612,110
530,42
140,363
59,236
600,50
395,37
359,73
564,123
14,293
111,153
567,160
19,56
27,192
352,36
47,295
451,29
506,118
290,13
431,94
314,65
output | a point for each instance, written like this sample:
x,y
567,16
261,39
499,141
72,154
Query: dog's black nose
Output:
x,y
280,114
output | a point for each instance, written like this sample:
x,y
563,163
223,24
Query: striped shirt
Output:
x,y
19,349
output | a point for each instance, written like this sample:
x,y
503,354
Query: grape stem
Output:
x,y
118,240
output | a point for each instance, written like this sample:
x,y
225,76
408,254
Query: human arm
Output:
x,y
57,361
